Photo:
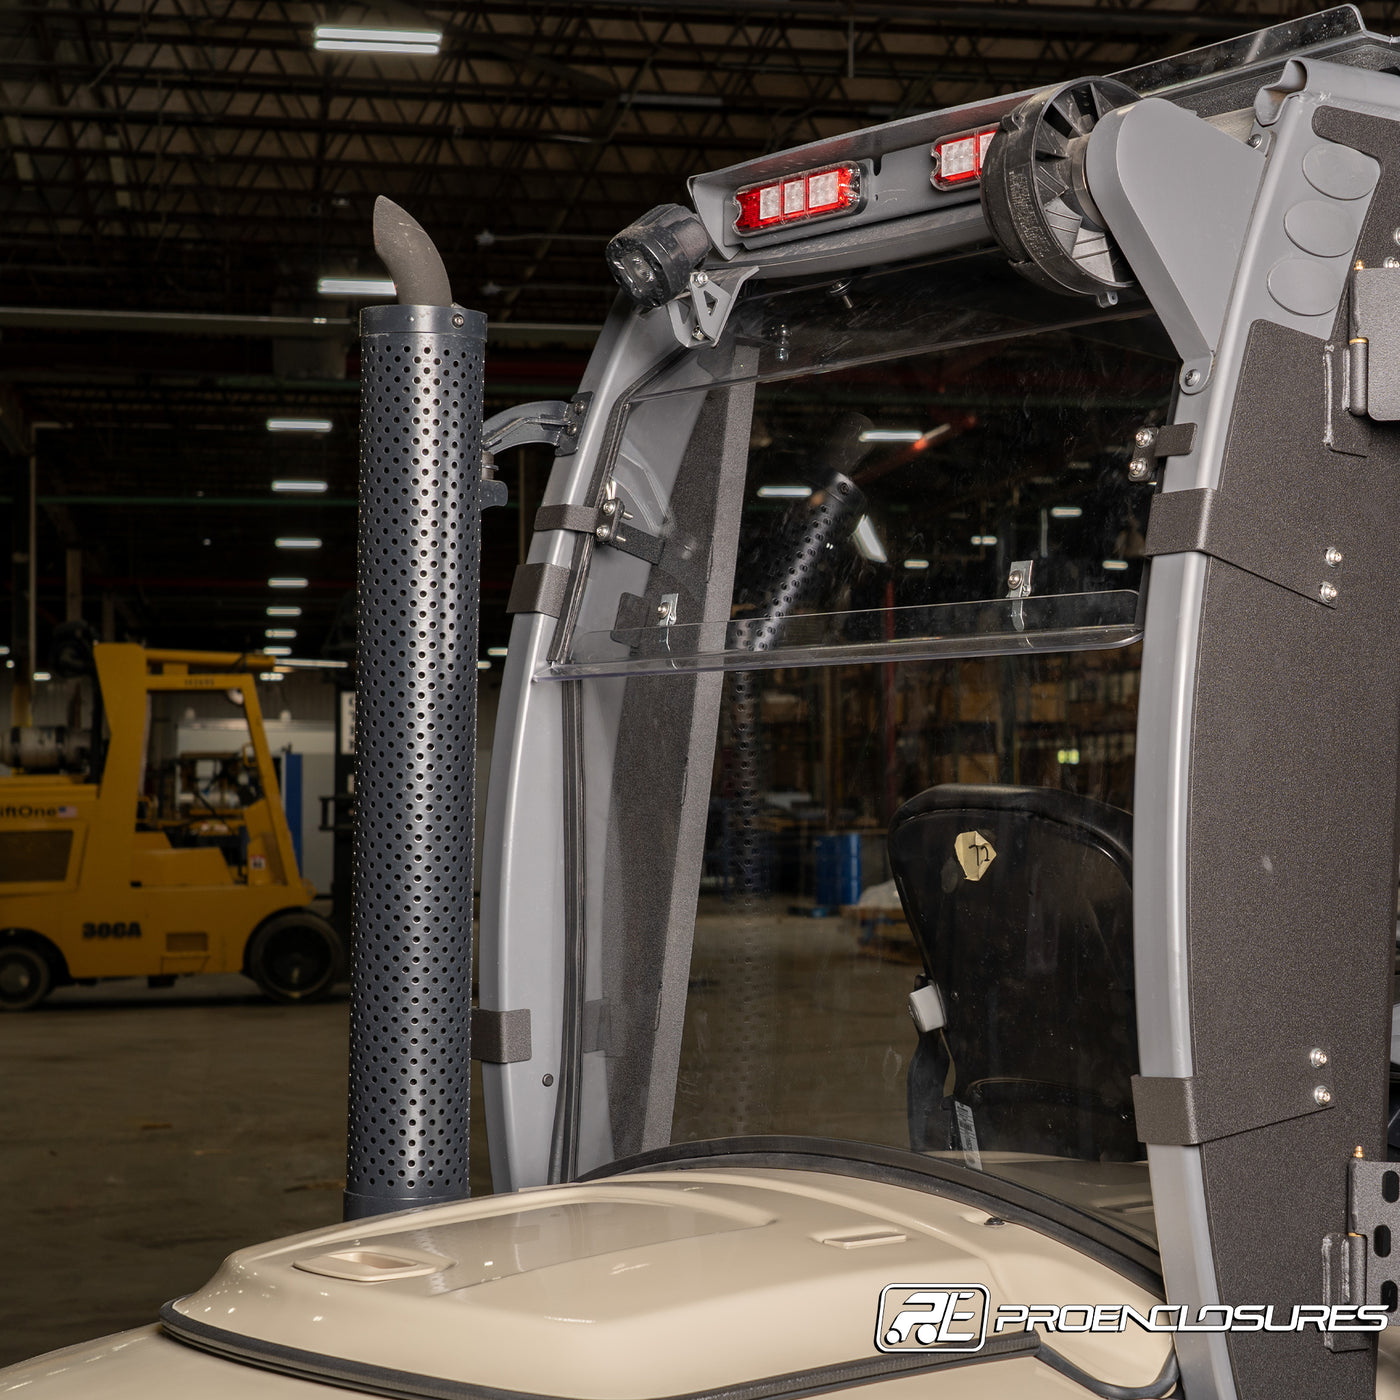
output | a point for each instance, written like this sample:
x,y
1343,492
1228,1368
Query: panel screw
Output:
x,y
1015,580
1322,1094
697,334
548,1080
610,506
1193,377
1317,1059
601,532
1256,140
1145,437
459,321
662,610
700,278
1327,592
1333,556
1139,469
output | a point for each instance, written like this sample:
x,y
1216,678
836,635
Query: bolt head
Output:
x,y
697,334
1015,580
601,532
1256,140
1139,469
1191,378
1322,1095
1334,556
1328,592
1145,437
459,321
700,278
1317,1059
610,506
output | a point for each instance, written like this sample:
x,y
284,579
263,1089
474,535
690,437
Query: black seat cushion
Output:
x,y
1029,939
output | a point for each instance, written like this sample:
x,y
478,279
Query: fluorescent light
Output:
x,y
867,542
987,540
495,651
4,651
341,38
355,287
269,675
916,563
310,486
297,542
784,493
280,633
1115,566
483,665
299,425
42,676
286,583
283,610
1069,756
1066,512
312,663
276,651
891,435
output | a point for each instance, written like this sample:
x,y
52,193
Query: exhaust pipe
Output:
x,y
415,733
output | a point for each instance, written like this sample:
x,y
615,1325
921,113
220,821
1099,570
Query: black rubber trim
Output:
x,y
819,1380
1134,1260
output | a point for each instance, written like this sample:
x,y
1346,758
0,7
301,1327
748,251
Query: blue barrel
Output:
x,y
838,868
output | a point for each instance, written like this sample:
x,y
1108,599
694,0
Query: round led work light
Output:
x,y
653,258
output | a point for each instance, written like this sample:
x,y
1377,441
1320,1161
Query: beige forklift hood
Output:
x,y
662,1284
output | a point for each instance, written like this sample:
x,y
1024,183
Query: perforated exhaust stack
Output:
x,y
415,734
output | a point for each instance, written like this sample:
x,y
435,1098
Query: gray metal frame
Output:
x,y
1268,721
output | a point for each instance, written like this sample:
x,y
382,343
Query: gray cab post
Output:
x,y
1242,205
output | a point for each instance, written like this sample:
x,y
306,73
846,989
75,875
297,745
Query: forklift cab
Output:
x,y
953,488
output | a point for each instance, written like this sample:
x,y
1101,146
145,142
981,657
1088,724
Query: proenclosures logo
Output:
x,y
923,1317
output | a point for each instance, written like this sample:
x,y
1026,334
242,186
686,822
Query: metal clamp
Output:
x,y
1018,586
550,421
1362,1266
699,314
1151,443
607,523
1206,521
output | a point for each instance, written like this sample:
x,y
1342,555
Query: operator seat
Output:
x,y
1020,903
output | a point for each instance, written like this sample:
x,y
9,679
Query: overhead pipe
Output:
x,y
421,497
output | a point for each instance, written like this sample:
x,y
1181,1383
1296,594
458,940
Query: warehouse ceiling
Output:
x,y
199,159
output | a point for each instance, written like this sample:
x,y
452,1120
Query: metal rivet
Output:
x,y
601,532
1333,556
1193,377
994,1222
700,278
1256,140
1327,592
1317,1059
548,1080
1145,437
1139,469
1322,1094
459,320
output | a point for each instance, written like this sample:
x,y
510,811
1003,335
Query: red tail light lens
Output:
x,y
813,194
957,160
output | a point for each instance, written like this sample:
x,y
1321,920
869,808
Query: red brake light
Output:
x,y
811,195
957,160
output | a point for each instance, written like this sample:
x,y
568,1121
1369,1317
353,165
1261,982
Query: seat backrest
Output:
x,y
1020,902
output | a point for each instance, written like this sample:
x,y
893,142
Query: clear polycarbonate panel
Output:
x,y
1006,626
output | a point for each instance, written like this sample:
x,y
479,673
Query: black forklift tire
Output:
x,y
295,957
26,977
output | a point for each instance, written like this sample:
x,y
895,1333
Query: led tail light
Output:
x,y
814,194
957,160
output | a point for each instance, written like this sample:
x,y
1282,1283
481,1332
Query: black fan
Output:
x,y
1035,197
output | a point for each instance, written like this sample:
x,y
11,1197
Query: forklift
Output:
x,y
1063,424
114,866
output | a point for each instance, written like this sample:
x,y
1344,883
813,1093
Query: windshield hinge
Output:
x,y
699,314
1362,1266
550,421
1018,586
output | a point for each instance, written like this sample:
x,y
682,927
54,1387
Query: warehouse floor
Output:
x,y
146,1134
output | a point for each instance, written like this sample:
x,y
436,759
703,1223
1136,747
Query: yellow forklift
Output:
x,y
108,870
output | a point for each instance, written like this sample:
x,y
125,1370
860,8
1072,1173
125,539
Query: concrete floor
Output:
x,y
146,1134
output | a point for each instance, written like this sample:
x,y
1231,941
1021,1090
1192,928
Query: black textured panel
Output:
x,y
415,746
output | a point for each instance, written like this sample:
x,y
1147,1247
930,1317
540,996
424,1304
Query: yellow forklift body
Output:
x,y
121,902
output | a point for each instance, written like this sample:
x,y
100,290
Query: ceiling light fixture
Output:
x,y
270,675
299,425
276,651
1115,566
286,583
891,435
310,487
344,38
283,610
784,493
297,542
985,540
280,633
916,563
495,651
1066,512
355,287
